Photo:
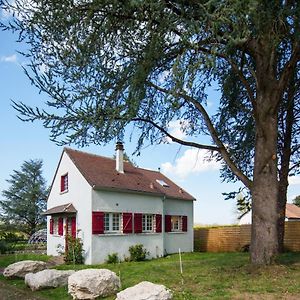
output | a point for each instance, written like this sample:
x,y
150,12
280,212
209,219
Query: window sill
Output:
x,y
177,232
63,192
126,234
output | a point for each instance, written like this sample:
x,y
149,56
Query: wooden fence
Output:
x,y
235,238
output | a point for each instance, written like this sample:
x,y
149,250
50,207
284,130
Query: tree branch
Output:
x,y
222,149
176,140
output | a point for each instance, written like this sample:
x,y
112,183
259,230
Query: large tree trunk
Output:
x,y
286,141
264,238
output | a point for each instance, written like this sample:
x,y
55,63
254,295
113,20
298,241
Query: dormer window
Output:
x,y
64,183
162,183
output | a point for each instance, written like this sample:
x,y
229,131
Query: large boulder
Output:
x,y
21,268
92,283
147,291
47,279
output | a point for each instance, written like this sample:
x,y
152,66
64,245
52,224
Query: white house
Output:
x,y
292,213
111,205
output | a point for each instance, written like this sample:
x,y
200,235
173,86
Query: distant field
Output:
x,y
205,276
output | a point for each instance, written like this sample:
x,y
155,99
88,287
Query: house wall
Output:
x,y
79,193
104,244
183,240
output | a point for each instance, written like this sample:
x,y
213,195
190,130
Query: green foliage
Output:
x,y
112,258
74,252
137,253
296,200
25,199
4,247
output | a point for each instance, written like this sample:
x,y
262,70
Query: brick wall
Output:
x,y
234,238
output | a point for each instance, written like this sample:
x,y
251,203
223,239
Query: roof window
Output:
x,y
162,183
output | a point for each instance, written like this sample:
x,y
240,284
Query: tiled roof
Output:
x,y
100,173
292,211
65,208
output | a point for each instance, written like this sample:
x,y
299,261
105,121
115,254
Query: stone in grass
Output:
x,y
21,268
93,283
47,279
147,291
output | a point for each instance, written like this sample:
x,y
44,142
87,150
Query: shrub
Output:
x,y
4,247
112,258
138,253
74,251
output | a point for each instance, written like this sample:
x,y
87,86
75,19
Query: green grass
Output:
x,y
205,276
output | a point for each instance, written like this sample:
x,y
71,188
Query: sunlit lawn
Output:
x,y
205,276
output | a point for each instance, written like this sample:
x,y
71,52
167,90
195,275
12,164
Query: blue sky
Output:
x,y
23,141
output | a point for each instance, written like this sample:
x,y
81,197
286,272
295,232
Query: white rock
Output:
x,y
92,283
21,268
145,290
47,279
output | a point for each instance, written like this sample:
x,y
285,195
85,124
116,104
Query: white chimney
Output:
x,y
119,157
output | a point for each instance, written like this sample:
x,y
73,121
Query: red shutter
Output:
x,y
127,222
51,226
62,183
138,223
158,223
97,222
60,226
184,223
73,227
168,227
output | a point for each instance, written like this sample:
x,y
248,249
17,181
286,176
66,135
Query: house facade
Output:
x,y
111,205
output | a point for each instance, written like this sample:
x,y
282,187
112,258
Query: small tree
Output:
x,y
296,200
25,199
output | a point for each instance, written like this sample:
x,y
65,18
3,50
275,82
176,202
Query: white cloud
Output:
x,y
192,161
294,180
9,59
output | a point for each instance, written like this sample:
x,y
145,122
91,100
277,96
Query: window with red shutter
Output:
x,y
51,226
64,183
60,226
97,222
127,222
168,226
184,223
73,227
157,223
138,223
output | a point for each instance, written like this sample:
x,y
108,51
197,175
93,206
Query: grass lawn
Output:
x,y
205,276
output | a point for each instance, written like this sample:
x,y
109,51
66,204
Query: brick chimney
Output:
x,y
119,157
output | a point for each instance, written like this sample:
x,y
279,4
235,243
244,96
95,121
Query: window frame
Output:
x,y
55,225
110,221
148,223
178,222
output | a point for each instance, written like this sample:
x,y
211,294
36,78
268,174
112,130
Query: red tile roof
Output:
x,y
292,211
65,208
100,173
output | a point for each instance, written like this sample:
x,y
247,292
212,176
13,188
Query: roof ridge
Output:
x,y
98,155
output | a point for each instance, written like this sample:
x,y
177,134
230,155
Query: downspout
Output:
x,y
163,226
